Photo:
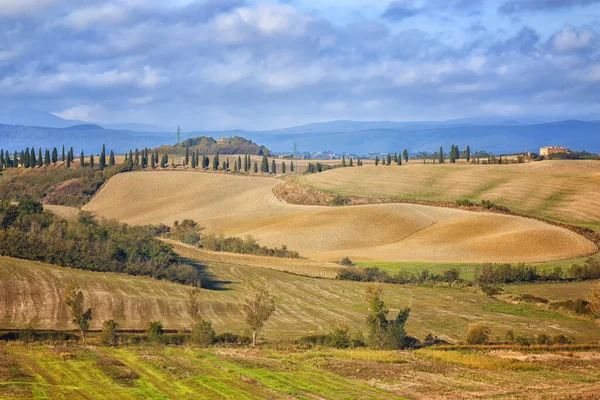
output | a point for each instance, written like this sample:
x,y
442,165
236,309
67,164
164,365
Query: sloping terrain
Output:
x,y
562,190
241,205
31,295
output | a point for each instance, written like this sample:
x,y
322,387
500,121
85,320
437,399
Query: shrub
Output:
x,y
230,338
340,201
155,332
346,261
490,290
108,336
338,338
478,334
464,203
203,334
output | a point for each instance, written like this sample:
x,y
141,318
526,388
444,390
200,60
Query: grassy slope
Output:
x,y
185,373
561,190
31,294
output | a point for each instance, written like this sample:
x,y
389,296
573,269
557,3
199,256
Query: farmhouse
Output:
x,y
549,150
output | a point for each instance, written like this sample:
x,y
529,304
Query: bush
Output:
x,y
340,201
338,338
108,336
478,334
230,338
155,332
203,334
464,203
346,261
490,290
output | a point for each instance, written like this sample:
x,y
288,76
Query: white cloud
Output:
x,y
19,7
83,18
81,112
570,39
141,100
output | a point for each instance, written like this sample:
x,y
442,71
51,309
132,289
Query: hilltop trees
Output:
x,y
74,300
257,307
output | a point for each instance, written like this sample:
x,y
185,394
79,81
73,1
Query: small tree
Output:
x,y
338,338
155,332
255,167
468,153
376,160
343,161
283,168
441,155
405,154
273,167
109,337
594,301
111,159
102,159
377,317
74,300
257,307
194,304
478,334
203,333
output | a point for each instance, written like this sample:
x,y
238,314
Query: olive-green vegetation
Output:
x,y
28,232
233,373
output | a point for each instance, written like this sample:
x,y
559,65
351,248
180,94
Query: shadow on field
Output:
x,y
209,281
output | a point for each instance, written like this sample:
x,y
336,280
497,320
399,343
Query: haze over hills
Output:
x,y
22,128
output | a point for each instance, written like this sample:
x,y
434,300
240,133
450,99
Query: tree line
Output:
x,y
29,232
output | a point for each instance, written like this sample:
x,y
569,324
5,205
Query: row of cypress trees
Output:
x,y
28,159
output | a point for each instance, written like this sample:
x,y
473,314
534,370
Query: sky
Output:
x,y
229,64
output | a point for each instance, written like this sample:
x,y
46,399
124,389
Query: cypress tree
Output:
x,y
25,158
255,167
62,157
239,163
389,159
81,160
1,160
350,164
405,154
291,166
273,167
47,157
40,159
456,153
102,160
343,161
32,160
227,164
6,159
224,166
68,160
130,160
137,157
72,154
283,167
215,164
452,155
468,153
54,155
91,161
16,160
399,161
376,160
396,158
153,163
111,159
235,166
264,164
186,161
441,155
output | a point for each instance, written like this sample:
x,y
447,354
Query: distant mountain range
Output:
x,y
22,128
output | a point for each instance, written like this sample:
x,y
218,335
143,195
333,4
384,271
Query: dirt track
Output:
x,y
240,206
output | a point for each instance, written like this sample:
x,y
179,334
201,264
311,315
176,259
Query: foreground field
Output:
x,y
240,205
31,294
222,373
561,190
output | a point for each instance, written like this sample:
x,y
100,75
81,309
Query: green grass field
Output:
x,y
157,372
467,271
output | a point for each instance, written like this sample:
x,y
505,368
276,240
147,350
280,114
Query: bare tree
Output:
x,y
194,304
257,306
81,318
594,300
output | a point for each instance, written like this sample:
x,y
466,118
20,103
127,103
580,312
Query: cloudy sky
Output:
x,y
214,64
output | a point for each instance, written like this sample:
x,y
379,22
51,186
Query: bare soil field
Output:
x,y
31,295
239,205
562,190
